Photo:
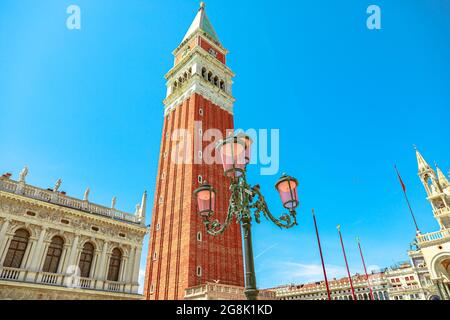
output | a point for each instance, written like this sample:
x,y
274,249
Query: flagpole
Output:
x,y
346,263
365,269
407,201
321,255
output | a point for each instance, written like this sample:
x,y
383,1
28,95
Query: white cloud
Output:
x,y
293,272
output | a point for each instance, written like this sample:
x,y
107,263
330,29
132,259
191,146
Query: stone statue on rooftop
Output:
x,y
23,174
113,202
86,194
57,185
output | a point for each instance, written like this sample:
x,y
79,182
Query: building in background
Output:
x,y
406,284
181,254
340,289
53,246
432,250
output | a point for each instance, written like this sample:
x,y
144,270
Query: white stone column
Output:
x,y
128,273
3,237
104,265
73,253
37,252
64,258
100,273
128,277
33,257
123,269
137,261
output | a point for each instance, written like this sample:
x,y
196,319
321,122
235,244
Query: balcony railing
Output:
x,y
10,273
223,291
114,286
59,279
443,212
434,236
55,279
61,199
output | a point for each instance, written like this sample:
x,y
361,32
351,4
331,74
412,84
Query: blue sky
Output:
x,y
86,106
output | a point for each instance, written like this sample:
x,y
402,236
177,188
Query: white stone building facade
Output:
x,y
53,246
408,282
339,288
433,248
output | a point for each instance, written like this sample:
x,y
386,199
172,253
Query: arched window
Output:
x,y
204,73
87,255
216,81
210,76
54,253
114,265
222,85
16,249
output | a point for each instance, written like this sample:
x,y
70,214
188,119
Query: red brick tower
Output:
x,y
181,254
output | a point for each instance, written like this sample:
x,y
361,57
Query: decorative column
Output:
x,y
444,290
437,283
137,260
100,274
73,252
132,255
36,255
128,273
3,238
447,289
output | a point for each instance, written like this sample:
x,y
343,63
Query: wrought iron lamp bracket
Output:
x,y
244,201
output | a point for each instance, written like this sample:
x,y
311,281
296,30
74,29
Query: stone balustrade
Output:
x,y
61,199
432,237
59,279
222,291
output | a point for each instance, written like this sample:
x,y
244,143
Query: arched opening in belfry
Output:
x,y
204,73
430,185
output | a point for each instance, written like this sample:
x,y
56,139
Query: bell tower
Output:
x,y
438,190
199,97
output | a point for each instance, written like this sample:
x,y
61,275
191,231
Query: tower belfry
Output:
x,y
433,248
181,254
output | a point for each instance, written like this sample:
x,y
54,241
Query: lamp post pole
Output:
x,y
246,203
250,291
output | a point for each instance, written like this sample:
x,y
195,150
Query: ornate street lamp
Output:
x,y
245,200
